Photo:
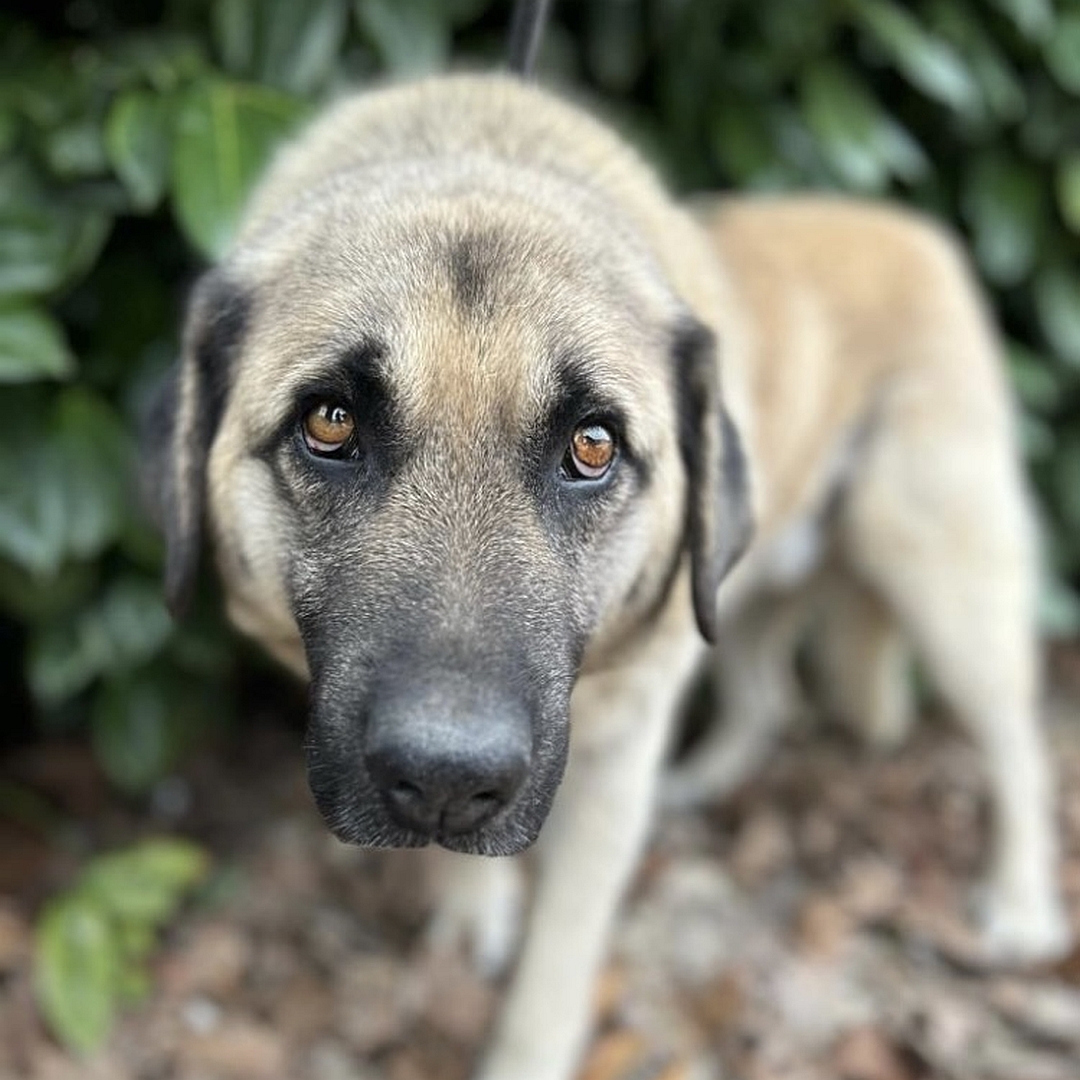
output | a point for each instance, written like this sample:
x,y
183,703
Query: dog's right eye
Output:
x,y
591,452
328,428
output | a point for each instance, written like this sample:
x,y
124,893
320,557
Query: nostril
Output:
x,y
404,790
471,809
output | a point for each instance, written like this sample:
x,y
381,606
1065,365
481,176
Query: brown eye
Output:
x,y
328,427
591,452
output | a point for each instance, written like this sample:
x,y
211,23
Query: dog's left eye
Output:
x,y
327,428
591,452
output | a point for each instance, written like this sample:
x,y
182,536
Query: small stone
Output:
x,y
822,927
819,836
720,1003
330,1059
201,1015
865,1053
457,1003
1049,1013
213,961
762,847
370,997
53,1064
871,889
238,1049
304,1009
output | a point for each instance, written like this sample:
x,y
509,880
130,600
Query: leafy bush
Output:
x,y
93,940
130,133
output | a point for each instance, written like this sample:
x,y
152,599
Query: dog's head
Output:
x,y
454,434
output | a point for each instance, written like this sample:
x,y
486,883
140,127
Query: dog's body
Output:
x,y
490,267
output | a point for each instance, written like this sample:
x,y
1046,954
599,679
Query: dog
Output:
x,y
493,440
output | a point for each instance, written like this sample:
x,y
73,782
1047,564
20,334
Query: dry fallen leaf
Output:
x,y
614,1055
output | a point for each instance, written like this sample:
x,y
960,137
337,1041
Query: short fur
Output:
x,y
475,266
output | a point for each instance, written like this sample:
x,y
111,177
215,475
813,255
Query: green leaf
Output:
x,y
64,484
225,133
1003,201
44,242
1062,51
90,942
137,140
146,883
615,44
36,600
33,250
842,116
77,964
925,61
162,58
9,130
87,232
233,28
76,150
1059,609
136,939
1037,440
1068,189
1033,18
1066,483
411,36
1034,378
1057,303
122,629
133,984
32,510
134,729
300,42
862,143
289,44
1047,129
743,144
32,346
961,26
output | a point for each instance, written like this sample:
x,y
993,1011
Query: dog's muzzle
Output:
x,y
447,757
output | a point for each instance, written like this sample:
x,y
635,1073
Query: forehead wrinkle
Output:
x,y
458,372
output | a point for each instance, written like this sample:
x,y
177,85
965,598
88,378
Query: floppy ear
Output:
x,y
719,517
183,421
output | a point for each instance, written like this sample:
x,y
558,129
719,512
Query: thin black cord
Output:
x,y
526,30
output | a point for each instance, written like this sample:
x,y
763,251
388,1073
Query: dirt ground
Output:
x,y
813,928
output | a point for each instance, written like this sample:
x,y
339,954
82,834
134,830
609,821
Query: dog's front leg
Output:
x,y
587,851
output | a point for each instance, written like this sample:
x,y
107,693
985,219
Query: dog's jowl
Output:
x,y
492,439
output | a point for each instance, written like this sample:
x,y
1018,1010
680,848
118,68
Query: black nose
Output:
x,y
446,763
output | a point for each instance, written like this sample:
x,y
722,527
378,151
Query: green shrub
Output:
x,y
92,941
130,135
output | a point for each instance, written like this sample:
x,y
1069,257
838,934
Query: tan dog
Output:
x,y
453,407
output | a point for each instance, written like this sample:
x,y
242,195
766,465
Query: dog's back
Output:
x,y
843,304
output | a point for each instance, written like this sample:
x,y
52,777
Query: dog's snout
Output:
x,y
444,768
433,790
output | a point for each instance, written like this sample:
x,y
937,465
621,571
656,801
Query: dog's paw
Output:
x,y
1022,931
480,909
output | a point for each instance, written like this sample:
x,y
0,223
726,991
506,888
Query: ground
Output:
x,y
813,928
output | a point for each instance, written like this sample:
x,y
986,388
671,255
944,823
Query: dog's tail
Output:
x,y
526,30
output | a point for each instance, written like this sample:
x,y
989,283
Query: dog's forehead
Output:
x,y
474,314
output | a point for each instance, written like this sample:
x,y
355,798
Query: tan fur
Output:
x,y
855,358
